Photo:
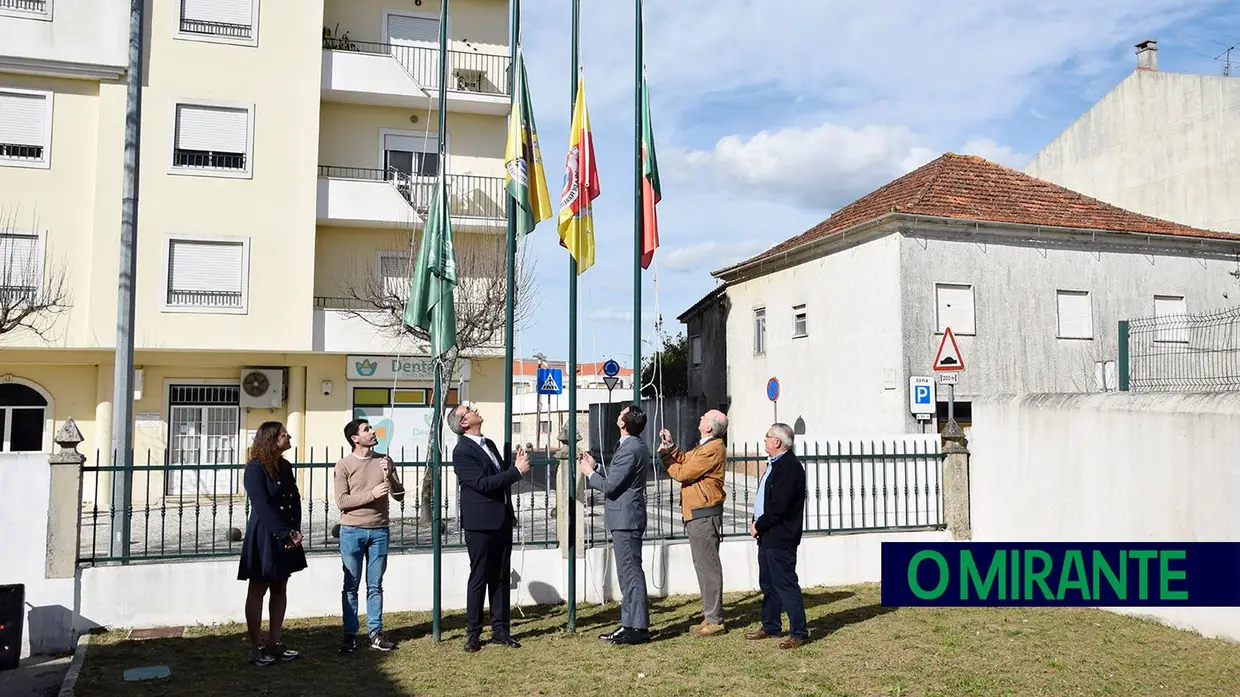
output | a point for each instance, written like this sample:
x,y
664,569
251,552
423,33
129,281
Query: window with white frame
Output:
x,y
204,428
695,349
1170,315
954,308
34,9
800,321
25,127
1075,313
212,138
23,416
759,331
410,155
226,19
207,275
21,263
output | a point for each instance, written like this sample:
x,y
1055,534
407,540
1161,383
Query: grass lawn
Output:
x,y
857,647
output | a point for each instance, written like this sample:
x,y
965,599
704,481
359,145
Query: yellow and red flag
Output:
x,y
581,187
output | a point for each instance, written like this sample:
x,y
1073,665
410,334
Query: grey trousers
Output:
x,y
704,537
627,546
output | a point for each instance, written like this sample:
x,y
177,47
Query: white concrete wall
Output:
x,y
207,592
1110,468
845,375
25,494
92,34
1162,144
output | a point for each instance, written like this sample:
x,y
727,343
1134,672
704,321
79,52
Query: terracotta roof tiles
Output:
x,y
972,188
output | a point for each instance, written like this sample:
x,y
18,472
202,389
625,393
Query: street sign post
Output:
x,y
610,370
948,364
772,393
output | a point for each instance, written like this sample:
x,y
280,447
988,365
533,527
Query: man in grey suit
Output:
x,y
624,487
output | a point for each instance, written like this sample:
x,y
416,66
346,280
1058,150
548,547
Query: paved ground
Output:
x,y
37,676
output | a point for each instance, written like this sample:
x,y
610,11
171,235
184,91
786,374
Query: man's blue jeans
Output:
x,y
356,544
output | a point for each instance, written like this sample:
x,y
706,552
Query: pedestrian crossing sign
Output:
x,y
550,381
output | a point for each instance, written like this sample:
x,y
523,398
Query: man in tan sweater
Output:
x,y
363,481
700,473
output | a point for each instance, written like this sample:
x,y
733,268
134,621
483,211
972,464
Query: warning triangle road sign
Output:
x,y
948,358
610,381
549,384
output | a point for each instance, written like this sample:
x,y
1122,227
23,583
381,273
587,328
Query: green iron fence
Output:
x,y
191,511
853,486
1180,353
182,511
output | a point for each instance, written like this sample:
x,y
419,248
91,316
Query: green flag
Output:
x,y
430,306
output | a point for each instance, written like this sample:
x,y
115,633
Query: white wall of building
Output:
x,y
1110,468
845,375
1162,144
1015,346
74,35
25,496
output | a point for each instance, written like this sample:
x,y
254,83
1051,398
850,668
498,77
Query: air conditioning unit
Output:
x,y
262,388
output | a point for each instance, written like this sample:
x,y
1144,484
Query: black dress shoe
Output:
x,y
609,636
472,643
631,637
506,640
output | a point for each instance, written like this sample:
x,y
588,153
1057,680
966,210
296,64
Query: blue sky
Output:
x,y
768,116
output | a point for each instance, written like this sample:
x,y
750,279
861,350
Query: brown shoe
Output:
x,y
705,630
791,643
694,629
756,635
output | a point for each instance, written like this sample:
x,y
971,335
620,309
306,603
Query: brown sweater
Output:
x,y
355,480
700,473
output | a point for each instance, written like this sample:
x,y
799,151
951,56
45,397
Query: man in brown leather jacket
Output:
x,y
700,473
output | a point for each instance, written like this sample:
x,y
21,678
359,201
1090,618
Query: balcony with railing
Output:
x,y
374,197
388,74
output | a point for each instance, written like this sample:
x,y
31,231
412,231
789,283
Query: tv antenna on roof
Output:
x,y
1226,57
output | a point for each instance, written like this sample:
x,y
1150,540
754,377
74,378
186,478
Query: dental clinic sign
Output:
x,y
404,368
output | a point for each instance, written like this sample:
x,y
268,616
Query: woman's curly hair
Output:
x,y
266,448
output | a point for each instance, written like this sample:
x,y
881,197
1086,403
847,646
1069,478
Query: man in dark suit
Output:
x,y
778,510
487,518
624,514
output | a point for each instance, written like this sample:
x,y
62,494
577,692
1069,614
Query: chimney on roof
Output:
x,y
1147,55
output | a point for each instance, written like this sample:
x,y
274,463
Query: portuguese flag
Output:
x,y
651,191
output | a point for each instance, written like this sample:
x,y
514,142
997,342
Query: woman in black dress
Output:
x,y
271,550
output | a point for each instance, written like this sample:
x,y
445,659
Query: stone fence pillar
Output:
x,y
64,507
956,485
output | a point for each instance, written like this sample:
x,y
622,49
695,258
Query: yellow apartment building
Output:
x,y
287,153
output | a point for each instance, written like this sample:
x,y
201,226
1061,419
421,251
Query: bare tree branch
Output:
x,y
33,292
377,297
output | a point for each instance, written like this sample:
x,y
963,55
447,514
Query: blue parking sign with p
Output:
x,y
921,395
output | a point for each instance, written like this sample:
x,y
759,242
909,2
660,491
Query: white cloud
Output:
x,y
822,167
989,149
707,256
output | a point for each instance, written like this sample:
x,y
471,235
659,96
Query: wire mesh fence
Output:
x,y
1181,352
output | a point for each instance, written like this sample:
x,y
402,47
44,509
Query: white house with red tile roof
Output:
x,y
1031,277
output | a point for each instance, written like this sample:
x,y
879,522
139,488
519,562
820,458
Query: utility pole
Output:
x,y
122,398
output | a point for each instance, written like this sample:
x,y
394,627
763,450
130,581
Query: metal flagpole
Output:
x,y
122,397
437,400
637,208
572,369
510,309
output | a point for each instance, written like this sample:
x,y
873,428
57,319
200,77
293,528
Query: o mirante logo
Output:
x,y
1198,574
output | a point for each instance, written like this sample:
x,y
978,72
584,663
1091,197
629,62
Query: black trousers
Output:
x,y
781,592
490,566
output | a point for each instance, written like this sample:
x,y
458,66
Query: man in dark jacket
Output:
x,y
778,510
487,518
